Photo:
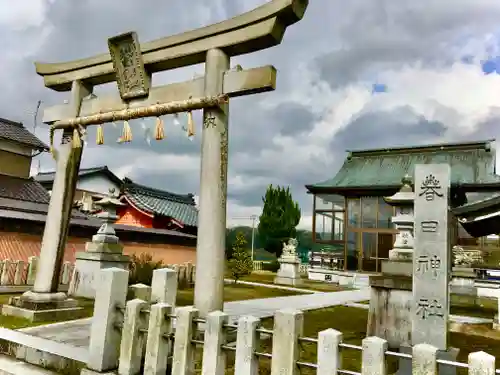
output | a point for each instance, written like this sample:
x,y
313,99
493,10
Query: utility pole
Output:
x,y
253,218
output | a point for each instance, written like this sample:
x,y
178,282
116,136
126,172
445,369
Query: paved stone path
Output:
x,y
273,286
76,333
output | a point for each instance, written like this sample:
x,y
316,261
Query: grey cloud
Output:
x,y
391,34
399,127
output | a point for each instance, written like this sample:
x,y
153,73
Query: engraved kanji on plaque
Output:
x,y
428,263
431,187
429,226
429,307
131,76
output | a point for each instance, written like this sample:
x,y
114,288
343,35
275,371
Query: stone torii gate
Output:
x,y
131,65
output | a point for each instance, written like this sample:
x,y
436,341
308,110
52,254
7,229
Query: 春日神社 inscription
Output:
x,y
430,258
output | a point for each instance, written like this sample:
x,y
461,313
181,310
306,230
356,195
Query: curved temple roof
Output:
x,y
179,207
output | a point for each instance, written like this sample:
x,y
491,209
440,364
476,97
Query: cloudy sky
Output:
x,y
351,75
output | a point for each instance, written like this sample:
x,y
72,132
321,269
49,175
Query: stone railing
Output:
x,y
326,260
21,273
258,265
186,273
147,337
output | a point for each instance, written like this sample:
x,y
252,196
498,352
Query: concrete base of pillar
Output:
x,y
447,355
292,281
87,266
391,301
288,274
37,307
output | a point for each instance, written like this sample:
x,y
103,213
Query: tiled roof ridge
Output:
x,y
132,187
12,122
439,147
101,168
16,132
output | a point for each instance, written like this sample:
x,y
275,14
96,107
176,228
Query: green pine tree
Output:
x,y
241,263
280,216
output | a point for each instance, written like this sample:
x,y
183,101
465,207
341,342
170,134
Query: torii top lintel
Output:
x,y
252,31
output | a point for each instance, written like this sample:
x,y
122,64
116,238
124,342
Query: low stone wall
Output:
x,y
351,279
18,274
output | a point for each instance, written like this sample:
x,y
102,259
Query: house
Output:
x,y
24,204
352,218
93,184
153,208
144,207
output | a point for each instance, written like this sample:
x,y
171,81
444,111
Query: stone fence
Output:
x,y
139,334
258,265
20,273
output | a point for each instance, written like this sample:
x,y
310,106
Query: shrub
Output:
x,y
141,269
241,262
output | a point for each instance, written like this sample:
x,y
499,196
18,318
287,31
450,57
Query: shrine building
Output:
x,y
352,221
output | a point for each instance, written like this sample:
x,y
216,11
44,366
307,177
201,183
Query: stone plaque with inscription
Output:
x,y
430,259
131,76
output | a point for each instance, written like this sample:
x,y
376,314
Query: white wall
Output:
x,y
15,147
96,184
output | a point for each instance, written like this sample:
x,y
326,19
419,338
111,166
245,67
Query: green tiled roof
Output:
x,y
162,203
471,163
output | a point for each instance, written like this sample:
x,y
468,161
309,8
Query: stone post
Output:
x,y
329,357
184,348
61,203
105,336
214,356
373,356
133,338
104,251
209,286
32,267
18,276
5,278
288,327
247,343
157,345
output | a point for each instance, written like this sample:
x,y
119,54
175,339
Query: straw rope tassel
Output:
x,y
127,132
99,135
190,127
77,141
51,140
159,129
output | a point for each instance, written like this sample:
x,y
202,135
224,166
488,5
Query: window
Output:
x,y
324,226
385,214
354,212
369,212
329,218
370,252
352,250
330,203
338,225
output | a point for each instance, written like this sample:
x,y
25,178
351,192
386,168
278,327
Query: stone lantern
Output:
x,y
104,251
403,201
106,233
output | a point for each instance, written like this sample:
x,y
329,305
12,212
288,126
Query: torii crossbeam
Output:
x,y
131,64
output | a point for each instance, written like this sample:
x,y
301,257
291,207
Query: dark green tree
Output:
x,y
241,262
280,216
